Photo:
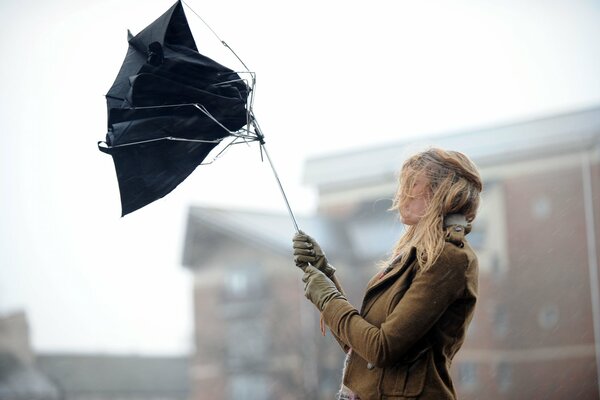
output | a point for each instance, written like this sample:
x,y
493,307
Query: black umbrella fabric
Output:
x,y
168,108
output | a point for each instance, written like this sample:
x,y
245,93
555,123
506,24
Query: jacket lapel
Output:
x,y
377,282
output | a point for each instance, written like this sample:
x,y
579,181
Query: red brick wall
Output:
x,y
547,268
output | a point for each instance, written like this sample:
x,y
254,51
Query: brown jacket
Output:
x,y
410,326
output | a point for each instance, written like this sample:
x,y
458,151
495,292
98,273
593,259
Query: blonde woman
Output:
x,y
416,310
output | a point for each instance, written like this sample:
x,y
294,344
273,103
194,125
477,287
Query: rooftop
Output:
x,y
117,374
516,141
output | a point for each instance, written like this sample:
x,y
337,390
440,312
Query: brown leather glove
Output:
x,y
318,288
308,251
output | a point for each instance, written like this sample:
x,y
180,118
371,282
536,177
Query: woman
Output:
x,y
416,311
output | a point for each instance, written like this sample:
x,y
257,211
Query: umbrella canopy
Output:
x,y
167,109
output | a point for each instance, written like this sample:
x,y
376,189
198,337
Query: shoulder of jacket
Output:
x,y
455,234
455,255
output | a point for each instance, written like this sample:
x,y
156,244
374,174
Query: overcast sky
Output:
x,y
331,76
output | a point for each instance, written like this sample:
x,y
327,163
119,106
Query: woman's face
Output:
x,y
413,207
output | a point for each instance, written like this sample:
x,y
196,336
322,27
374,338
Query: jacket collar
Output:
x,y
392,270
454,220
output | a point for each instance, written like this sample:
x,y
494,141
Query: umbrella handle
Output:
x,y
262,145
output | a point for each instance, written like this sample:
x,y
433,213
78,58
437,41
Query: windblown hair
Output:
x,y
454,187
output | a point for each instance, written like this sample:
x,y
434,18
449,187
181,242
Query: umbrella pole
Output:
x,y
280,187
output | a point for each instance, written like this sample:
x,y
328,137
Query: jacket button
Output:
x,y
370,366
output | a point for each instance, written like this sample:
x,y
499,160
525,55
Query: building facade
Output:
x,y
536,331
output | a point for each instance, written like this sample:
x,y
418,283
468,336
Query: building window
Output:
x,y
248,387
500,320
246,343
489,233
496,268
541,208
238,283
244,282
503,377
473,328
467,375
548,316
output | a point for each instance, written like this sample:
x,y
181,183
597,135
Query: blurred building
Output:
x,y
117,377
537,236
25,375
255,335
20,377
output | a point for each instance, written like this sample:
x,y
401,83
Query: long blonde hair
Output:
x,y
454,187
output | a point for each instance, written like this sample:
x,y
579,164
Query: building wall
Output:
x,y
255,332
14,338
533,334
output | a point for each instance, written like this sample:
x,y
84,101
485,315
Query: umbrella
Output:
x,y
169,107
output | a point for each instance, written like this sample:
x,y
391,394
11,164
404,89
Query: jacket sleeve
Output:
x,y
428,297
338,285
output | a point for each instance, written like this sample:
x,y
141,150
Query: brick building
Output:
x,y
537,234
255,334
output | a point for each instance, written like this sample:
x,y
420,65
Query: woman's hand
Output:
x,y
307,251
318,288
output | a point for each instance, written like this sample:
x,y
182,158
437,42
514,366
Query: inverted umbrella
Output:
x,y
169,107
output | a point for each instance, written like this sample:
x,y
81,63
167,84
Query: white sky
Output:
x,y
332,76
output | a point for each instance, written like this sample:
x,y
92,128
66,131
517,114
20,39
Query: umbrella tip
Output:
x,y
129,35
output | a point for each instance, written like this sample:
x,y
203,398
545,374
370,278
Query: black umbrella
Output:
x,y
168,108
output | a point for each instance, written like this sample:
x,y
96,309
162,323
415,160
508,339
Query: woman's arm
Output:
x,y
343,345
428,297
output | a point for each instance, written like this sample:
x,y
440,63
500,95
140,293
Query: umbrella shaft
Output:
x,y
281,188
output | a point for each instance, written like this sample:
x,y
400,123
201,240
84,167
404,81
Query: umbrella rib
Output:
x,y
231,81
176,139
205,112
217,36
220,153
114,97
209,115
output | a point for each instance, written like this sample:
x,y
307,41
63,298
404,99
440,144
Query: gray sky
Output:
x,y
331,76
